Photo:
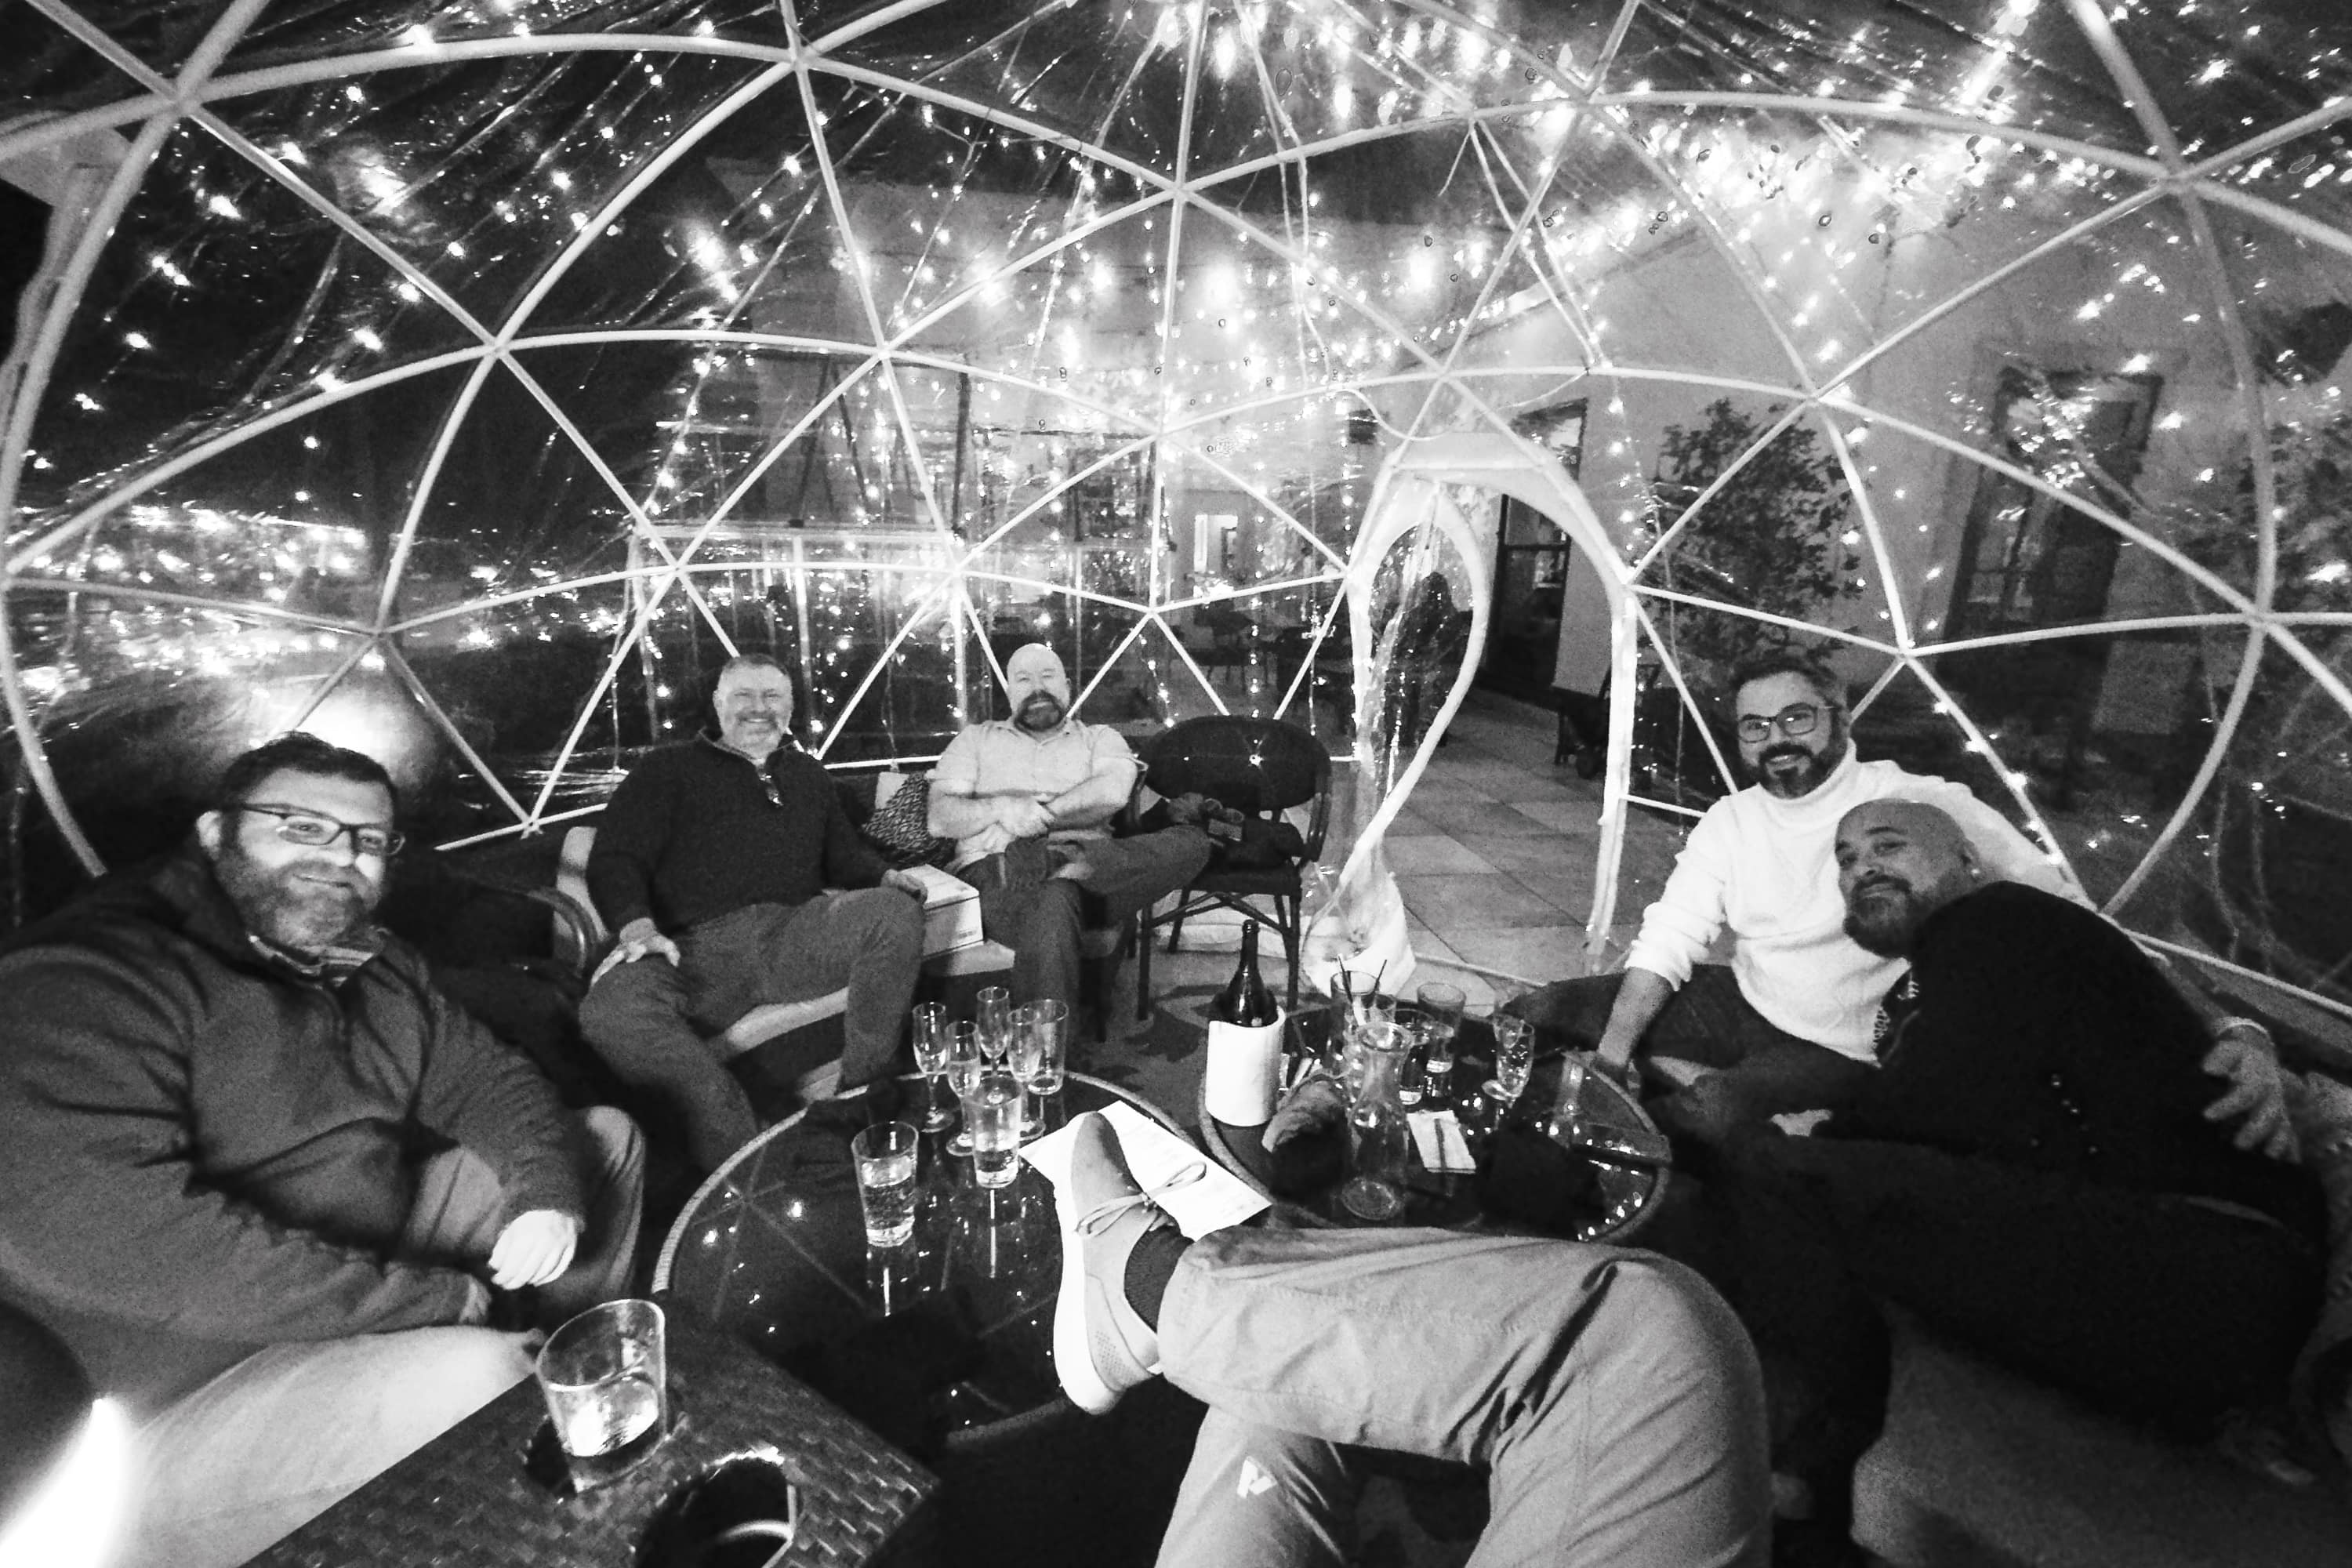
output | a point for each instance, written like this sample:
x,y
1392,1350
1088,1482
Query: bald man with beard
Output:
x,y
2030,1169
1029,801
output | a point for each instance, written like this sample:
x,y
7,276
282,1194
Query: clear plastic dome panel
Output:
x,y
499,370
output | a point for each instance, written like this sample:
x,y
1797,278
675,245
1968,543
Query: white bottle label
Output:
x,y
1244,1072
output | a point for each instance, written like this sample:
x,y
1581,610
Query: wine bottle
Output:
x,y
1245,1002
1244,1070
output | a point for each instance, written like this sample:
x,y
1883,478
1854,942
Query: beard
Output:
x,y
1882,915
1040,711
288,905
752,737
1805,770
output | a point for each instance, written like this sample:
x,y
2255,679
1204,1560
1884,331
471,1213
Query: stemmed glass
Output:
x,y
930,1036
993,1015
1026,1049
965,1064
1514,1058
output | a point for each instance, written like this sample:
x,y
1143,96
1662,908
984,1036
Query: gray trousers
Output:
x,y
652,1021
289,1431
1040,916
1611,1395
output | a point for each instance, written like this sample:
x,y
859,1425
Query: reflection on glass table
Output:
x,y
773,1249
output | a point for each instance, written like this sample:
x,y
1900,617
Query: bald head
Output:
x,y
1037,687
1899,861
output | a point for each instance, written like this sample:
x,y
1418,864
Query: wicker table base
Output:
x,y
490,1491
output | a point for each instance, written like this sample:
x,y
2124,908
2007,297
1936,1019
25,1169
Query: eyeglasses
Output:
x,y
312,831
1797,719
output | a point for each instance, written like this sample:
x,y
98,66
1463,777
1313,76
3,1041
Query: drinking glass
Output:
x,y
1412,1039
930,1036
1515,1057
965,1064
1023,1059
992,1014
1049,1022
885,1155
992,1111
1442,1005
602,1375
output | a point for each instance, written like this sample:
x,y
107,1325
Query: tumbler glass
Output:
x,y
992,1111
601,1375
885,1157
1442,1005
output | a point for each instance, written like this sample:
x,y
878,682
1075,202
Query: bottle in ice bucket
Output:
x,y
1244,1062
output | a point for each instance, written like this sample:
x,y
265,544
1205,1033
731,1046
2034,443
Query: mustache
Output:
x,y
1781,749
341,877
1878,880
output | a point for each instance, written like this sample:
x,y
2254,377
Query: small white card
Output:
x,y
1211,1201
1437,1136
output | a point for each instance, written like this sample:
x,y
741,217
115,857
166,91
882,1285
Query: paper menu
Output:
x,y
1156,1156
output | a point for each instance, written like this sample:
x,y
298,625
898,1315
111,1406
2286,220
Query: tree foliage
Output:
x,y
1767,541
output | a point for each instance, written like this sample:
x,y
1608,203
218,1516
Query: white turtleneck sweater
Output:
x,y
1766,868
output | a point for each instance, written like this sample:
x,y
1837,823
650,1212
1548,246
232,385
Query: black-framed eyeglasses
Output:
x,y
1797,719
313,831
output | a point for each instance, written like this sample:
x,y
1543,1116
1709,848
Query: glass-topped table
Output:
x,y
1304,1185
773,1249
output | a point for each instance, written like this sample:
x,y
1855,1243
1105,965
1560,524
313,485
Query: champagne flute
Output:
x,y
1023,1056
931,1037
993,1015
965,1064
1514,1058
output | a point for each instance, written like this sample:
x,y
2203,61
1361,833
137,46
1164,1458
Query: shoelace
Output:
x,y
1100,1218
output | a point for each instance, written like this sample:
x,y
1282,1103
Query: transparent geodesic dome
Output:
x,y
463,380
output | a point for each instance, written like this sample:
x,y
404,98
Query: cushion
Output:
x,y
900,827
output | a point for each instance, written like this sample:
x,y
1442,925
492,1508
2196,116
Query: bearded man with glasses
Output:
x,y
270,1183
1787,1022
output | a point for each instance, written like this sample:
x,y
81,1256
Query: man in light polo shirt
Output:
x,y
1028,800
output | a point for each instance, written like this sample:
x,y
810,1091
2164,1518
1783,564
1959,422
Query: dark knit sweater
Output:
x,y
692,833
202,1152
2031,1031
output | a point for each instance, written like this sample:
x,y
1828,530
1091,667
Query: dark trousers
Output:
x,y
1040,916
1765,1070
652,1021
2154,1306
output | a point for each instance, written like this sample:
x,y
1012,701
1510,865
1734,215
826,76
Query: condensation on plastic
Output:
x,y
468,377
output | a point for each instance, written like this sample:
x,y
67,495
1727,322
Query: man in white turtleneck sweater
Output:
x,y
1789,1020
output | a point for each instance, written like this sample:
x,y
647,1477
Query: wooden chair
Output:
x,y
1262,767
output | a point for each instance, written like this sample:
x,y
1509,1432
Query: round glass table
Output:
x,y
772,1249
1304,1184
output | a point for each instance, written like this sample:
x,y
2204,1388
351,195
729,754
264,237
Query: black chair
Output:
x,y
1261,766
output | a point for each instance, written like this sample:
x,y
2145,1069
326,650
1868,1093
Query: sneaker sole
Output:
x,y
1074,1360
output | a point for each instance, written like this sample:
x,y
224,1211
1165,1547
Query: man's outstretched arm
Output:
x,y
1640,999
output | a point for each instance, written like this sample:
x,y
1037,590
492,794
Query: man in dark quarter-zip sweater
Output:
x,y
265,1179
732,878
